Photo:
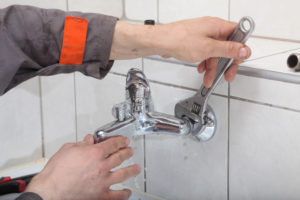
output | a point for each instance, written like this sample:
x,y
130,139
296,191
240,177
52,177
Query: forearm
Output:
x,y
134,41
31,42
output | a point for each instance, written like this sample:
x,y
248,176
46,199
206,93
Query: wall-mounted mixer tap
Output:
x,y
136,116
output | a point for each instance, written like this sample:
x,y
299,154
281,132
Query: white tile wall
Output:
x,y
141,10
178,75
177,9
123,66
59,4
58,104
111,7
264,152
273,18
94,100
267,91
264,47
180,167
275,63
20,125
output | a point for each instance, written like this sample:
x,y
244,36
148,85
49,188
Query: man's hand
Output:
x,y
196,40
83,171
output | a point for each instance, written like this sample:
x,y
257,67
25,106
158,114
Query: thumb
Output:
x,y
229,49
89,139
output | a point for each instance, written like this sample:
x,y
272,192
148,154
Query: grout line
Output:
x,y
170,85
67,5
42,118
274,38
75,108
273,54
264,104
229,10
124,17
215,94
157,12
228,142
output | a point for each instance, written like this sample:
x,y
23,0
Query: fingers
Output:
x,y
119,157
231,72
211,70
89,139
229,49
224,28
123,174
113,145
202,66
119,194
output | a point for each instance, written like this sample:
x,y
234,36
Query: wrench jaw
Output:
x,y
206,131
203,125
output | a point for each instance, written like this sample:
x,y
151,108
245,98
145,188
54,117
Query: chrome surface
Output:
x,y
136,116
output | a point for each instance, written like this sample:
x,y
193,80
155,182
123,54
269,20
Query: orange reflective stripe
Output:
x,y
73,45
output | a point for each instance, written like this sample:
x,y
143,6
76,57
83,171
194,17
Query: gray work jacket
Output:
x,y
31,40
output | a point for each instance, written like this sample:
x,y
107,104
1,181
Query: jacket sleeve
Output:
x,y
29,196
31,41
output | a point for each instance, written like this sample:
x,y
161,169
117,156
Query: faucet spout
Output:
x,y
138,125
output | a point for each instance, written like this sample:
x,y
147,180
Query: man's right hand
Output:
x,y
83,171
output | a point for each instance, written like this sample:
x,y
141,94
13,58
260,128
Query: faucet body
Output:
x,y
136,115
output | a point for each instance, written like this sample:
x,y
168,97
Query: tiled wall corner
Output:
x,y
94,101
107,7
180,167
177,9
273,18
264,152
20,125
58,108
178,75
141,10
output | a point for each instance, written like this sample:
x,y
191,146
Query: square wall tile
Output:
x,y
263,47
141,10
177,9
58,104
20,125
264,160
179,75
266,91
272,18
275,63
111,7
58,4
123,66
179,167
94,101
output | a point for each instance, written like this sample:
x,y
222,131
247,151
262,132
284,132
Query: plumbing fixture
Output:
x,y
293,61
136,116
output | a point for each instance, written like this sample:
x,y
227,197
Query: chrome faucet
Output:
x,y
136,116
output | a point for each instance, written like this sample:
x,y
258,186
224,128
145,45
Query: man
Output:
x,y
37,41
